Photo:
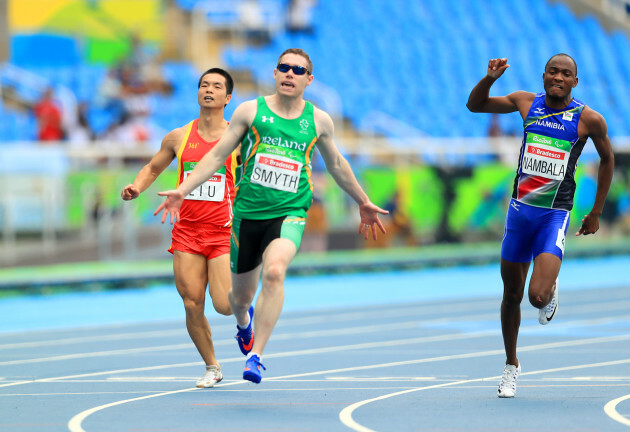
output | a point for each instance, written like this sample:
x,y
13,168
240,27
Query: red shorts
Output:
x,y
208,241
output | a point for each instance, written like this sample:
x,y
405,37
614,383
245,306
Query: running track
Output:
x,y
398,351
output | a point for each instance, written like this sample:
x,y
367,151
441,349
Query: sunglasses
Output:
x,y
298,70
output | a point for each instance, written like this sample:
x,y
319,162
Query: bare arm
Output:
x,y
160,161
597,130
213,160
480,100
340,170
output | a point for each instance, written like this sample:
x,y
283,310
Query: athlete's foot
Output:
x,y
546,313
212,376
507,386
252,369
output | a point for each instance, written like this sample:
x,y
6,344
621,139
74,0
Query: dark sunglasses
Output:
x,y
298,70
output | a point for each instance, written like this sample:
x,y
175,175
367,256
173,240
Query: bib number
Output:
x,y
211,190
276,172
546,157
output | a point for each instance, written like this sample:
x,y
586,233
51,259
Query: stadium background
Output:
x,y
394,75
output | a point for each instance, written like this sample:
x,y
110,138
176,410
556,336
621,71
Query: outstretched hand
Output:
x,y
369,220
496,67
590,225
171,205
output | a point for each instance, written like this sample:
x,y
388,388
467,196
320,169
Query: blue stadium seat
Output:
x,y
43,50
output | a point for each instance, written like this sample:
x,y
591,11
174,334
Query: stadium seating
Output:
x,y
419,60
412,61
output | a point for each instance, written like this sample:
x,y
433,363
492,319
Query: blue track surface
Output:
x,y
398,351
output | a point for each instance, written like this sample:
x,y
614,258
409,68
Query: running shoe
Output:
x,y
507,386
252,369
245,338
212,376
547,313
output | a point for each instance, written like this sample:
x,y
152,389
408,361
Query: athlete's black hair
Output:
x,y
229,82
565,55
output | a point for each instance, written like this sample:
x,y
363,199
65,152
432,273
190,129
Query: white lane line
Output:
x,y
345,416
98,338
611,410
75,423
285,322
292,322
343,331
367,345
311,351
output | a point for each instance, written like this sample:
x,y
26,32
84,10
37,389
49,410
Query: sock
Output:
x,y
246,326
253,354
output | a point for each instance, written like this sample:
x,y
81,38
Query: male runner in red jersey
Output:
x,y
201,237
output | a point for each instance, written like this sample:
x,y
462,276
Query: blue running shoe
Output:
x,y
252,369
245,338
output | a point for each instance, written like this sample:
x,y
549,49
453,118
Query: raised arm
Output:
x,y
160,161
340,170
597,130
480,100
211,162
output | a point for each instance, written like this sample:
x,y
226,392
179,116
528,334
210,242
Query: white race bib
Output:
x,y
546,157
211,190
276,172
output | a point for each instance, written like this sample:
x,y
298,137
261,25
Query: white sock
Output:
x,y
242,327
246,325
252,354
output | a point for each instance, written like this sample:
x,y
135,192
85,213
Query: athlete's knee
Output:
x,y
512,297
274,274
537,301
239,298
194,305
537,297
222,307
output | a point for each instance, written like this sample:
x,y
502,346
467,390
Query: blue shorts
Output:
x,y
530,231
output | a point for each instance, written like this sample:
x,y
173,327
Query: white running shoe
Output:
x,y
507,386
547,313
212,376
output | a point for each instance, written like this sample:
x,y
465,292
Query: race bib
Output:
x,y
276,172
211,190
546,157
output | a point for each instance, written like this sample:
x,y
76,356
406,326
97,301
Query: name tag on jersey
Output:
x,y
211,190
546,157
276,172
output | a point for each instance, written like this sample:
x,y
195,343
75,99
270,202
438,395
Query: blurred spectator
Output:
x,y
494,130
315,237
48,117
79,132
300,16
397,224
109,97
252,22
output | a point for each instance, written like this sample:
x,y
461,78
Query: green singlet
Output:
x,y
276,176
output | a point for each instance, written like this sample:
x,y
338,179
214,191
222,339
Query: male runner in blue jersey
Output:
x,y
556,128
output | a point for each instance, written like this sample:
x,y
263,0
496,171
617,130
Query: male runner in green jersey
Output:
x,y
277,134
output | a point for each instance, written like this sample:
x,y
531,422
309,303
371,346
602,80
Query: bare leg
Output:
x,y
514,276
191,280
544,275
241,296
276,260
220,283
